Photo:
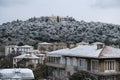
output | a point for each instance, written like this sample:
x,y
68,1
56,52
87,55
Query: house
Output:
x,y
51,46
44,46
13,49
16,74
30,58
102,61
60,45
25,48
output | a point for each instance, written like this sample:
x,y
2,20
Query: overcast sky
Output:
x,y
88,10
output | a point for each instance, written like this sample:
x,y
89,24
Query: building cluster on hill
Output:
x,y
62,61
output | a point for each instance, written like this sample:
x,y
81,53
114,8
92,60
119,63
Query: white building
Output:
x,y
13,49
32,58
98,59
16,74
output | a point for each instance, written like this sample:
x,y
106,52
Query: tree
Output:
x,y
42,48
6,62
20,44
35,45
22,63
82,75
58,19
40,71
107,41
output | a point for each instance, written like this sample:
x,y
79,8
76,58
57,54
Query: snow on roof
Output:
x,y
16,73
85,51
88,51
95,43
30,56
40,54
82,43
110,52
59,52
26,46
45,43
81,50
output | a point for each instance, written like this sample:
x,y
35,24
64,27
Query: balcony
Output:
x,y
82,68
107,73
56,65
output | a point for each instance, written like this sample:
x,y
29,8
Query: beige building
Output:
x,y
51,46
60,45
44,46
100,60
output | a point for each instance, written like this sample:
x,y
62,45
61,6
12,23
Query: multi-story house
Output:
x,y
60,45
13,49
31,59
100,60
51,46
44,46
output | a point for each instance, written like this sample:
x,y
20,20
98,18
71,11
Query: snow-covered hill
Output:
x,y
57,28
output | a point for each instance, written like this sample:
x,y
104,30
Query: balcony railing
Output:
x,y
56,65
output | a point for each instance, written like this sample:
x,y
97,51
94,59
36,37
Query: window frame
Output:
x,y
96,69
110,66
82,64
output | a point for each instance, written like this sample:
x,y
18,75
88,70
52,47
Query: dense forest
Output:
x,y
58,29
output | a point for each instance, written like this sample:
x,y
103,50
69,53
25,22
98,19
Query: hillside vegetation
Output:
x,y
56,29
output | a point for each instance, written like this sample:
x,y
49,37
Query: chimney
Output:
x,y
100,46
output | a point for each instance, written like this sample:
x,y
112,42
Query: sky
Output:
x,y
107,11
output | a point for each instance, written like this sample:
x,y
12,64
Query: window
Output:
x,y
68,74
94,65
82,64
109,64
68,61
71,61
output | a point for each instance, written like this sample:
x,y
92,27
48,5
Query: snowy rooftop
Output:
x,y
16,73
88,51
45,43
26,46
58,53
18,46
85,51
83,43
95,43
30,56
110,52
